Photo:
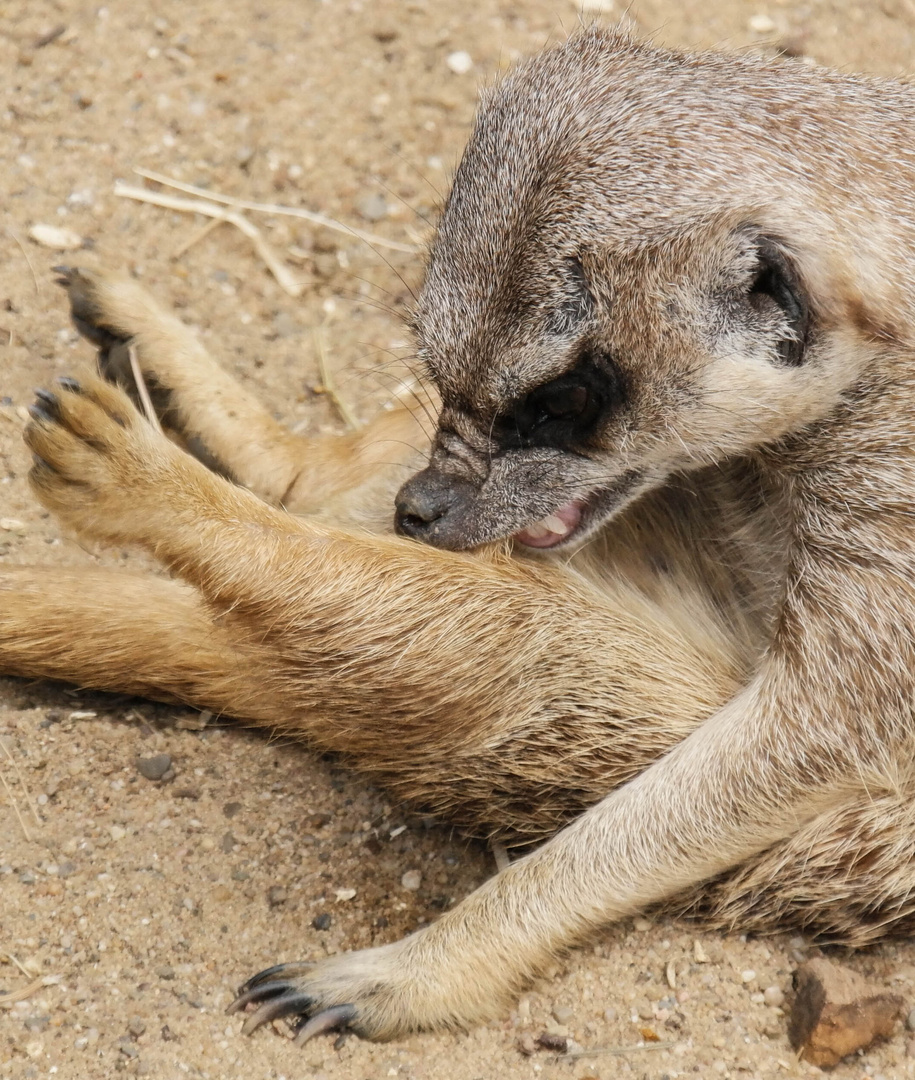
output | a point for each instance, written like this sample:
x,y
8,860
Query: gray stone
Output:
x,y
155,767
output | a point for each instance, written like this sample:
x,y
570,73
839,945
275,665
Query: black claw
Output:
x,y
68,383
293,1003
336,1018
262,992
38,413
39,464
291,971
66,275
49,400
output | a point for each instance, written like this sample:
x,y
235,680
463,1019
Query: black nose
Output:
x,y
426,506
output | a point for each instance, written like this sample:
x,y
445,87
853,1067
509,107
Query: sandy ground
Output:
x,y
144,904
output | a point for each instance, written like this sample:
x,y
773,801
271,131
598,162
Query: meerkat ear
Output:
x,y
776,281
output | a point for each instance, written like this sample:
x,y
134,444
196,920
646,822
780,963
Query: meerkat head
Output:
x,y
620,290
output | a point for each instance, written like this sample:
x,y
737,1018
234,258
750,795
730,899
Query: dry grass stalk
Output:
x,y
500,854
275,264
142,389
15,806
372,239
6,1000
25,791
10,999
25,255
346,413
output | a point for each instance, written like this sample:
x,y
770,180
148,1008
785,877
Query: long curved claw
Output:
x,y
291,1003
289,971
253,995
327,1020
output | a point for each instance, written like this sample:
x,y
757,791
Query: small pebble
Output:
x,y
526,1044
155,767
775,996
562,1014
760,24
412,880
557,1043
285,326
277,895
460,62
324,921
344,894
373,207
747,976
227,843
52,236
136,1026
116,832
12,525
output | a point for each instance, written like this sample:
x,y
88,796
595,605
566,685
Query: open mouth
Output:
x,y
579,516
554,528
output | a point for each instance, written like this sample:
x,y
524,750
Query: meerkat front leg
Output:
x,y
727,792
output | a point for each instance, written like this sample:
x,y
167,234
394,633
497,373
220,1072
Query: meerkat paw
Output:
x,y
96,460
111,311
380,993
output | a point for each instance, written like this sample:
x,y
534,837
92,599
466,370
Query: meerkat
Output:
x,y
661,614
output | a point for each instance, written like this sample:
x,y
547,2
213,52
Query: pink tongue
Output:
x,y
569,515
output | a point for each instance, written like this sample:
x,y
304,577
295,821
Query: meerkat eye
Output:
x,y
565,410
564,402
776,284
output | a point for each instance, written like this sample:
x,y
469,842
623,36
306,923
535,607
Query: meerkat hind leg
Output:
x,y
350,478
128,633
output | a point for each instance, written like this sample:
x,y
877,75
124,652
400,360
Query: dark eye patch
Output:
x,y
566,410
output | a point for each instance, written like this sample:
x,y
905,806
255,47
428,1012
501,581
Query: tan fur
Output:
x,y
717,684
